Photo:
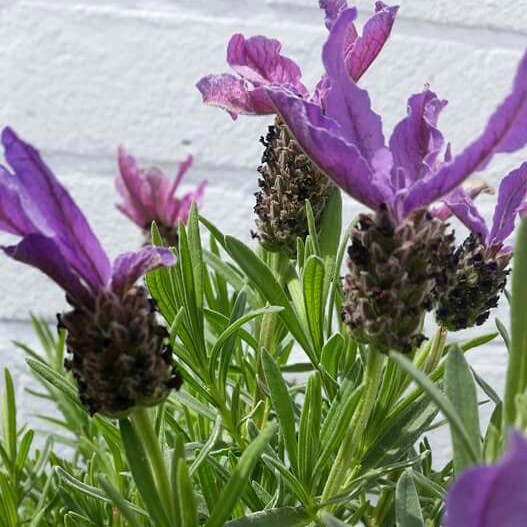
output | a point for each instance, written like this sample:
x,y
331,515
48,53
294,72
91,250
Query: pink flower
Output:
x,y
149,195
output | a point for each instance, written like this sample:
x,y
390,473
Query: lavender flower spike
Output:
x,y
480,264
258,63
117,347
149,195
492,496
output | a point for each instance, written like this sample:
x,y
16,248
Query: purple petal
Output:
x,y
374,35
345,102
332,9
511,198
46,254
14,210
506,131
416,141
234,95
492,496
131,266
258,60
320,138
442,211
131,186
462,206
69,226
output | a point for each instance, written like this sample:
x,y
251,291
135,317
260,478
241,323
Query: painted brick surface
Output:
x,y
79,78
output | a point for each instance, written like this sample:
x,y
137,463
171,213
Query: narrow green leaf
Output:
x,y
283,406
9,417
407,507
460,388
309,430
312,228
492,445
23,451
441,401
233,489
119,501
313,282
261,276
282,517
55,379
331,226
516,381
188,511
140,468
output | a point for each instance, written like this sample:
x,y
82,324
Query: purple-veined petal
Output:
x,y
129,184
130,266
234,95
511,197
332,10
258,60
70,228
320,138
345,102
506,131
183,168
442,211
14,216
374,35
46,255
462,206
416,141
492,496
185,203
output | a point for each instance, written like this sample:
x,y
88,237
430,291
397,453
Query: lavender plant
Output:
x,y
245,387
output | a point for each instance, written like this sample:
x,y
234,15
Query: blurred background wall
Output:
x,y
80,77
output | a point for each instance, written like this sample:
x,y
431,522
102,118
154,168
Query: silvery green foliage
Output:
x,y
252,436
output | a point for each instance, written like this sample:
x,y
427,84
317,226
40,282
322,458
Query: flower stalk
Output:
x,y
143,425
347,454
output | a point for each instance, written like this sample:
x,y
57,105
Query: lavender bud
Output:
x,y
393,268
119,353
480,274
288,178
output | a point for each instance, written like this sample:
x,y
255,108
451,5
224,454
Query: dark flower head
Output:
x,y
344,138
57,239
258,63
149,195
493,495
287,180
480,265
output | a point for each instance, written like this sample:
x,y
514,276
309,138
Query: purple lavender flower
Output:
x,y
344,137
149,195
258,63
480,263
492,496
399,255
119,354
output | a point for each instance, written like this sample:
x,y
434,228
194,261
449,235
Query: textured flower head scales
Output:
x,y
346,141
56,237
492,496
150,195
258,62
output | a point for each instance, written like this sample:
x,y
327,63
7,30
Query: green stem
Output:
x,y
348,450
144,428
278,263
436,350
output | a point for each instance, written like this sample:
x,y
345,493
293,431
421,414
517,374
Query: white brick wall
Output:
x,y
81,77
